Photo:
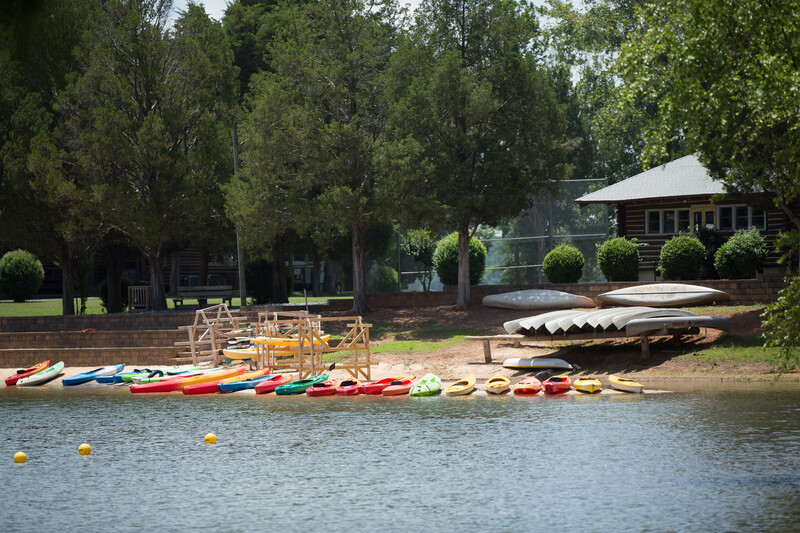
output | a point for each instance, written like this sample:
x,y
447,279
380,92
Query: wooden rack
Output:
x,y
207,334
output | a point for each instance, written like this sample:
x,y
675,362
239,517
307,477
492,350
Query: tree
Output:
x,y
148,107
468,87
319,110
420,244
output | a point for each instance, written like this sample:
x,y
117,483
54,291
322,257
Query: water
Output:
x,y
704,459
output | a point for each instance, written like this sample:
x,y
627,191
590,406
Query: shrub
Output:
x,y
563,264
618,259
782,324
682,257
381,279
742,255
21,275
711,240
445,260
102,289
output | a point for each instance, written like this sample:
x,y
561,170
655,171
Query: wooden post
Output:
x,y
645,347
487,351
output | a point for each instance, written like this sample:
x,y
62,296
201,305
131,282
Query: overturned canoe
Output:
x,y
537,299
537,362
662,295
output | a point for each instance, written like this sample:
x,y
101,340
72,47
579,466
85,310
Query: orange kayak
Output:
x,y
398,387
178,383
528,387
35,369
210,387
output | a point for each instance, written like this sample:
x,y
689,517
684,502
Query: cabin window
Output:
x,y
654,222
736,217
726,218
668,221
683,221
759,218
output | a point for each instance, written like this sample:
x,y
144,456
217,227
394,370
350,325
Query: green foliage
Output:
x,y
381,278
618,259
258,278
742,255
563,264
711,240
21,275
445,260
682,257
782,324
421,245
102,290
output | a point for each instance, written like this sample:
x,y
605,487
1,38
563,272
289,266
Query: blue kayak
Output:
x,y
85,377
244,384
117,378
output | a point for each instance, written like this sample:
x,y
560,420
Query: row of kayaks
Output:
x,y
193,381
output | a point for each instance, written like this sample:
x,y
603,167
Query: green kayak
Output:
x,y
299,387
428,385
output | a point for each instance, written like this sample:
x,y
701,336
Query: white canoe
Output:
x,y
661,325
537,362
607,319
554,326
48,374
530,324
537,299
661,295
620,321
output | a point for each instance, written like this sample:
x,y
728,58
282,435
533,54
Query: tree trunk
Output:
x,y
280,293
316,286
331,276
158,299
359,270
114,265
67,280
174,271
463,267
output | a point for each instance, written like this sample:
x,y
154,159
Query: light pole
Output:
x,y
239,251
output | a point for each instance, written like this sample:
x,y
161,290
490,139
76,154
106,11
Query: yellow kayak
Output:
x,y
590,385
288,341
497,384
461,387
625,384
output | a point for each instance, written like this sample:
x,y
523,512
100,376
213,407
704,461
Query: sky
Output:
x,y
216,8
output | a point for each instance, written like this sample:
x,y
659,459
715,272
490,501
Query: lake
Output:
x,y
722,457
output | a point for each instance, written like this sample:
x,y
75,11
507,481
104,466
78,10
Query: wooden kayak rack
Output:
x,y
306,343
612,335
207,334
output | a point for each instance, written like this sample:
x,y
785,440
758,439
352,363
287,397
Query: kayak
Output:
x,y
85,377
322,388
35,369
398,387
243,384
299,387
161,375
625,384
178,382
557,385
589,385
462,387
349,387
528,387
428,385
271,383
137,375
212,387
40,378
289,341
497,384
377,387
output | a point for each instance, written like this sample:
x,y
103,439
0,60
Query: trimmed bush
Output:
x,y
563,264
445,260
742,255
682,257
21,275
618,259
381,279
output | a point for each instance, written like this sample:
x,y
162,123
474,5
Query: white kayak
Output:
x,y
661,295
48,374
537,362
536,299
661,325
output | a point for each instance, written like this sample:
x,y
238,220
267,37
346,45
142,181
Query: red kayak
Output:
x,y
323,388
557,385
378,386
210,387
349,387
528,387
398,387
269,385
12,379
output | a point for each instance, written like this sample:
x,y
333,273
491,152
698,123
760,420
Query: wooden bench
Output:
x,y
487,339
202,292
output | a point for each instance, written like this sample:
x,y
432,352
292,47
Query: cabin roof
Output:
x,y
682,177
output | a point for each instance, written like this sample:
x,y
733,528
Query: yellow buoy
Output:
x,y
84,449
20,457
211,438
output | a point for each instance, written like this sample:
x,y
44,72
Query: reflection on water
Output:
x,y
712,459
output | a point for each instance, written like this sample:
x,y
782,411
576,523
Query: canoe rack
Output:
x,y
207,334
297,343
